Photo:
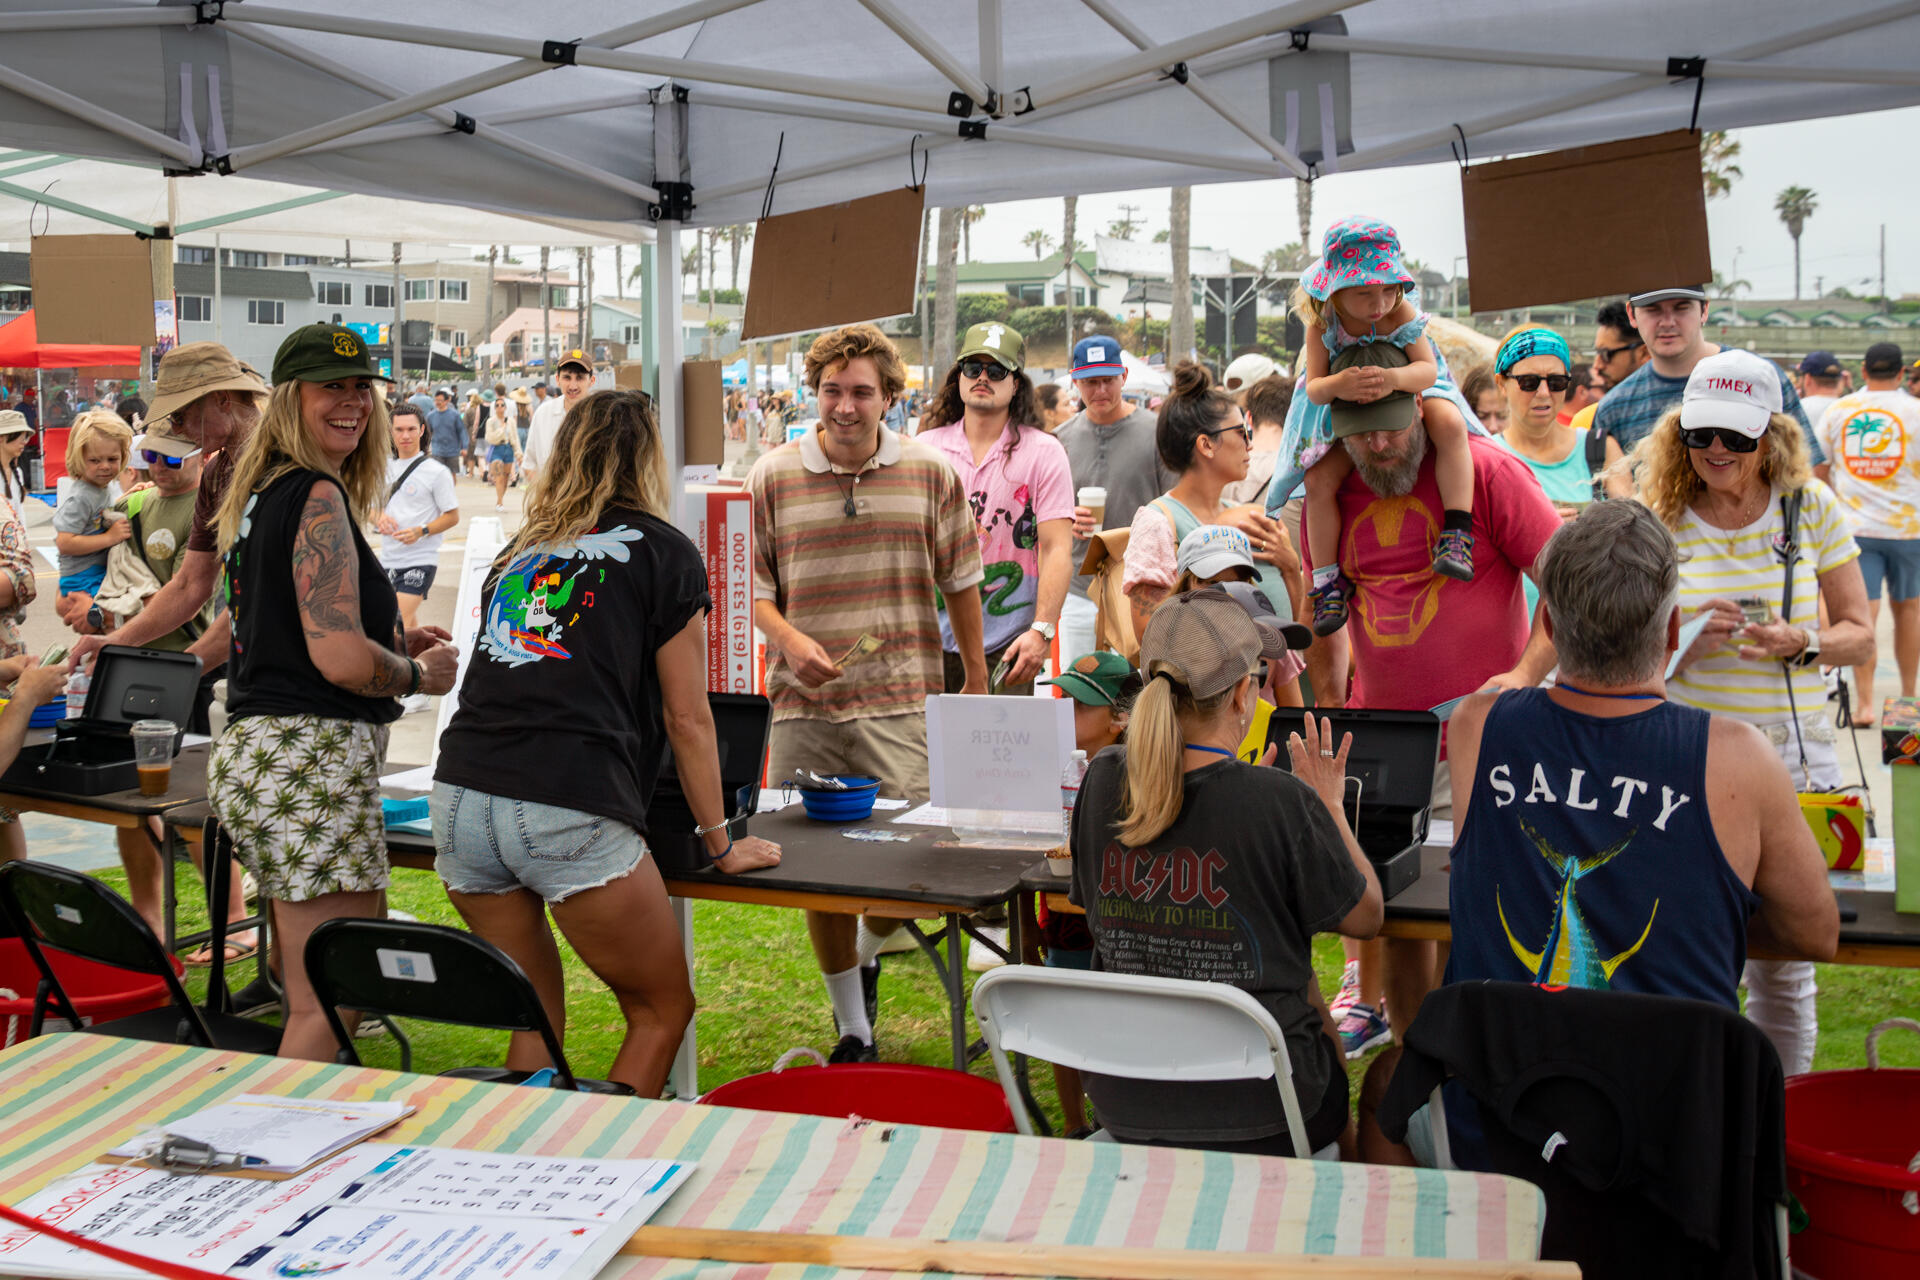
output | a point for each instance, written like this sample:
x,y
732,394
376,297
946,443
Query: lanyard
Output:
x,y
1218,751
1648,697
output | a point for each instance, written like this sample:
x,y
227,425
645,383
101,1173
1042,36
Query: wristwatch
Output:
x,y
1810,654
1045,629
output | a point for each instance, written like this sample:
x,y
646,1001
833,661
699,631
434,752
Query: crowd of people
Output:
x,y
1526,543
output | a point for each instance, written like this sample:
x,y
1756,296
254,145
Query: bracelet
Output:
x,y
701,832
415,686
721,856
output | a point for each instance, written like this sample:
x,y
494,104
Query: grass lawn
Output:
x,y
760,994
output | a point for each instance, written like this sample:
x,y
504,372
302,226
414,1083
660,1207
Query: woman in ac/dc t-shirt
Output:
x,y
592,658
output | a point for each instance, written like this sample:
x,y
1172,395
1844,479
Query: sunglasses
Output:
x,y
1556,382
1703,438
1607,355
154,459
993,371
1240,429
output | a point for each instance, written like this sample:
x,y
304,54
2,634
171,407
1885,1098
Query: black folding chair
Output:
x,y
53,908
405,969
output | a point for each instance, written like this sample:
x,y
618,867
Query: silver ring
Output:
x,y
1327,754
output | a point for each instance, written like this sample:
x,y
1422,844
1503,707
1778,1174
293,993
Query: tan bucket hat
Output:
x,y
189,371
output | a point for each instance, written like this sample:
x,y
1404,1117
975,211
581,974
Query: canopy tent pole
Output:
x,y
1067,142
479,82
923,42
259,211
69,206
217,292
1414,143
992,50
1262,137
79,20
47,162
113,122
1155,59
446,118
838,113
431,128
889,152
669,343
591,53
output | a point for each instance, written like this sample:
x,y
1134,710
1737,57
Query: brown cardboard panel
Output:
x,y
835,265
702,412
94,289
1616,218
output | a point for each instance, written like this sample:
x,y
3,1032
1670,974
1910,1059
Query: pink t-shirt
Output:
x,y
1023,482
1420,639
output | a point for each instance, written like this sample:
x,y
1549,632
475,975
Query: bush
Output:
x,y
1041,324
970,309
723,297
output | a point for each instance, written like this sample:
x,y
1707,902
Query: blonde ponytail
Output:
x,y
1156,778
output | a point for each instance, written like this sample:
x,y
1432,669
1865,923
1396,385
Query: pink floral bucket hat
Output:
x,y
1356,252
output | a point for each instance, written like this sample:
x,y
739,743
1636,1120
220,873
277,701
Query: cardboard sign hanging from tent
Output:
x,y
95,290
838,264
1617,218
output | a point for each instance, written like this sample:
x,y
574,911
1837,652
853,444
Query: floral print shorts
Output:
x,y
301,797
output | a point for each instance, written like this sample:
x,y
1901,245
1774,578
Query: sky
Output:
x,y
1843,159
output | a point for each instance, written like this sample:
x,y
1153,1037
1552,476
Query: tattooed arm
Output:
x,y
326,582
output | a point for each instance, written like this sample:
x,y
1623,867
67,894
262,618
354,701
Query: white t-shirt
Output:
x,y
1814,406
540,436
427,493
1872,441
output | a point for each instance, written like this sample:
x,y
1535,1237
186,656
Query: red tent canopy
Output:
x,y
21,348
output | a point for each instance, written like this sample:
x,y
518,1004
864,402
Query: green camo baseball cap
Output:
x,y
1099,679
321,353
1002,342
1394,411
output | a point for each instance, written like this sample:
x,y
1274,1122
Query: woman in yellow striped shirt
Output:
x,y
1723,471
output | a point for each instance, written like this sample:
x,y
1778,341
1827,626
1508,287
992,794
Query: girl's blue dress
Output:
x,y
1310,426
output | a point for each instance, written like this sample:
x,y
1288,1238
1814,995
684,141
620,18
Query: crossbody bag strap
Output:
x,y
405,476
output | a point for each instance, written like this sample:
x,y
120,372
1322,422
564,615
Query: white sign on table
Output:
x,y
998,753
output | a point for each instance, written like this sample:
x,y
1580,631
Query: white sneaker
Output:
x,y
414,702
979,958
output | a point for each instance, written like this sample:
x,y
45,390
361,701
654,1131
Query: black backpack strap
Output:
x,y
406,475
1790,550
1596,445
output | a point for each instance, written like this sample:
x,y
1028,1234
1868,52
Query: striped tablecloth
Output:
x,y
66,1098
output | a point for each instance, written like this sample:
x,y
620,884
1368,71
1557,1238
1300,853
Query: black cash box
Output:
x,y
742,725
1394,755
92,754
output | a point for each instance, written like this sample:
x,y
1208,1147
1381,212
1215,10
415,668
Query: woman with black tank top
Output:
x,y
318,660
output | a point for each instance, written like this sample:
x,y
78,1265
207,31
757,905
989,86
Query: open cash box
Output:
x,y
1393,758
92,754
742,726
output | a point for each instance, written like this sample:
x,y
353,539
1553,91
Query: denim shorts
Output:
x,y
489,844
1894,561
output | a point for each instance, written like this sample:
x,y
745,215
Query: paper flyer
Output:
x,y
376,1212
273,1135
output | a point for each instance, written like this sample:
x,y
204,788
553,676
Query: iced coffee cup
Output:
x,y
153,755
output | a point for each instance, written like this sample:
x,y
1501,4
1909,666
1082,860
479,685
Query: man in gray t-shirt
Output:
x,y
1109,445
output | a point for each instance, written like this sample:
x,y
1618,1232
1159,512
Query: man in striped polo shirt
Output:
x,y
855,528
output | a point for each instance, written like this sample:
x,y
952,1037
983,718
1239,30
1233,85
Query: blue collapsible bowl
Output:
x,y
851,805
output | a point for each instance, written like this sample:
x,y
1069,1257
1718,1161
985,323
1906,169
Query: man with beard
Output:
x,y
983,420
1417,639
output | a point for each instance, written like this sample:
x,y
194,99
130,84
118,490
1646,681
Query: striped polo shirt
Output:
x,y
836,576
1743,564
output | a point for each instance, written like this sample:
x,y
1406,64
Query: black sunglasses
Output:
x,y
1607,355
1239,428
1556,382
1703,438
994,371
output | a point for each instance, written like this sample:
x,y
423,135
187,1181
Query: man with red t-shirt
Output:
x,y
1416,639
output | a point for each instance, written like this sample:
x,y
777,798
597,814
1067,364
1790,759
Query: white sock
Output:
x,y
1323,575
849,1005
868,943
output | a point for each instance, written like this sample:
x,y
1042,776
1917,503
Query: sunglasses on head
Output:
x,y
1556,382
1703,438
993,370
154,459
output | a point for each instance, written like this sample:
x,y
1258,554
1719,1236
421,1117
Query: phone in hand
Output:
x,y
1756,609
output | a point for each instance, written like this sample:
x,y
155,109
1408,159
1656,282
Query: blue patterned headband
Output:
x,y
1531,342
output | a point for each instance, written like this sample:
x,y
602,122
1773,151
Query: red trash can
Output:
x,y
893,1093
1853,1159
100,993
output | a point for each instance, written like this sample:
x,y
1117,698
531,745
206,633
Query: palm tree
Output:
x,y
1038,241
738,236
1717,167
945,288
1795,205
1721,287
1068,247
968,216
1288,257
1180,314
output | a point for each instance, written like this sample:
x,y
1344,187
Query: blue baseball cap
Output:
x,y
1097,357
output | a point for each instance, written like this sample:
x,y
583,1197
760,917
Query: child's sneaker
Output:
x,y
1453,554
1330,606
1349,994
1362,1029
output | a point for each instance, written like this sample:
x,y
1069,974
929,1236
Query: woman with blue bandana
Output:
x,y
1533,370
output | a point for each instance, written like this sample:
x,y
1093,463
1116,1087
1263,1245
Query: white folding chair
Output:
x,y
1138,1028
